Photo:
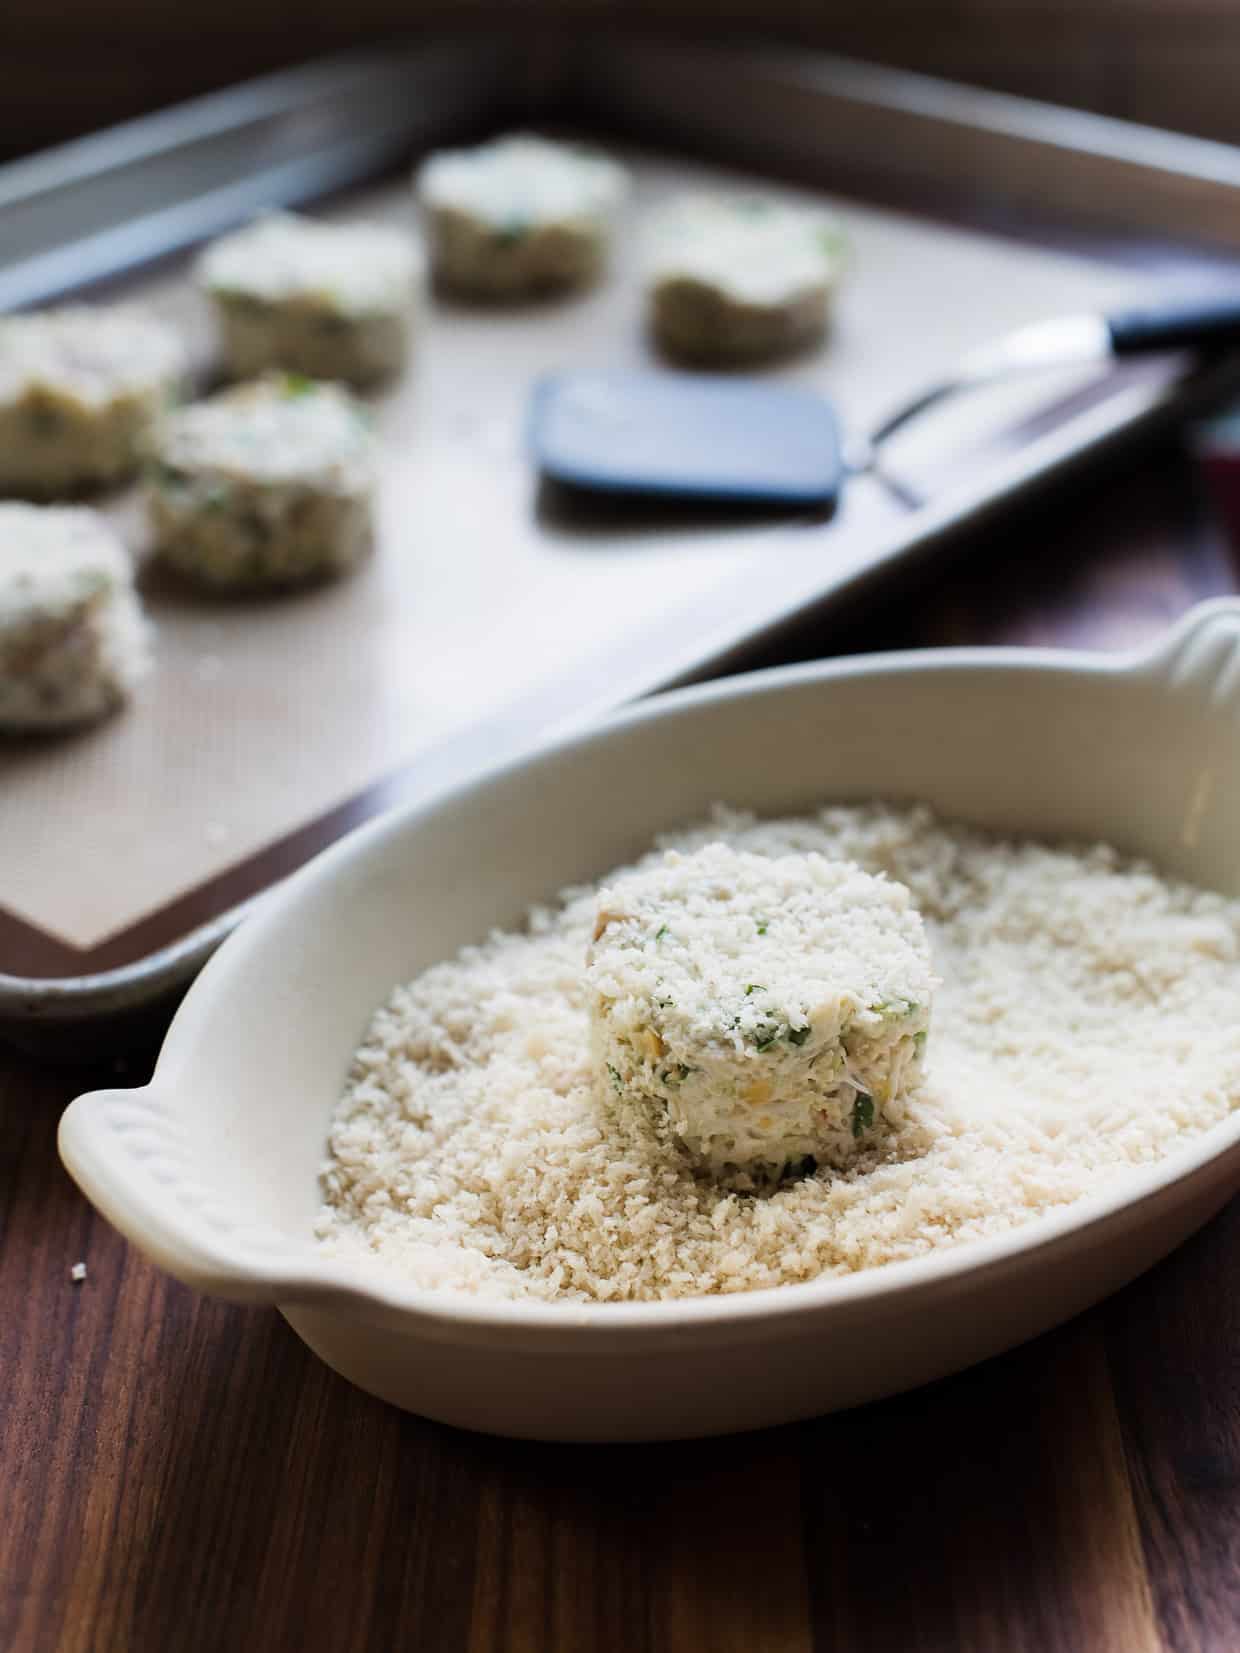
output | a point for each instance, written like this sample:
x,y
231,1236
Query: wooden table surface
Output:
x,y
179,1474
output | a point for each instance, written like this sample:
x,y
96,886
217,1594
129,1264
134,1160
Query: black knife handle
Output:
x,y
1209,322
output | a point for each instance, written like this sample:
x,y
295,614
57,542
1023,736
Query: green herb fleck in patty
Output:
x,y
862,1113
765,1035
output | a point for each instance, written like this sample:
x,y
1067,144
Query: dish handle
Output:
x,y
125,1151
1200,653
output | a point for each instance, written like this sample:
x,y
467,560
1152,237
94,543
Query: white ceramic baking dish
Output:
x,y
211,1169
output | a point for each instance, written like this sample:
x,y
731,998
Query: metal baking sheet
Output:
x,y
494,610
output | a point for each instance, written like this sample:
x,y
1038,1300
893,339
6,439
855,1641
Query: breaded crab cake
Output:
x,y
519,216
742,279
333,301
80,388
73,641
769,1008
267,484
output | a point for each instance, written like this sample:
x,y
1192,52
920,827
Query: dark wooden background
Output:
x,y
70,66
180,1475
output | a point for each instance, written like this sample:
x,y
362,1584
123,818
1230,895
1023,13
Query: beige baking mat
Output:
x,y
262,715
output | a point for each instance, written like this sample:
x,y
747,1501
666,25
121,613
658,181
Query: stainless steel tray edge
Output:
x,y
91,209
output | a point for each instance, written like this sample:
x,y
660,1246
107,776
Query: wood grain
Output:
x,y
1001,1501
181,1475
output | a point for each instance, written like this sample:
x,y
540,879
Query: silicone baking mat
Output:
x,y
271,725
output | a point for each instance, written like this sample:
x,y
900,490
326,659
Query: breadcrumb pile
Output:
x,y
1085,1025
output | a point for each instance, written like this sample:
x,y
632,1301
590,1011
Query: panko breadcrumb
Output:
x,y
1085,1025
